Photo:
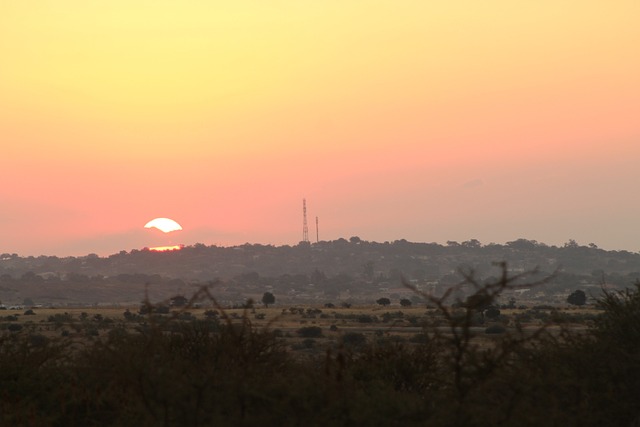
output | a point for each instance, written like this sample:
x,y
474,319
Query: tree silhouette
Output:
x,y
268,298
405,302
577,298
383,301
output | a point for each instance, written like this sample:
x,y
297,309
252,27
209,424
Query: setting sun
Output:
x,y
165,225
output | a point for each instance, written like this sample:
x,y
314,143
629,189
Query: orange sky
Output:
x,y
428,121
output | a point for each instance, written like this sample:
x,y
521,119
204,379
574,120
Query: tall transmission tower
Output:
x,y
317,232
305,228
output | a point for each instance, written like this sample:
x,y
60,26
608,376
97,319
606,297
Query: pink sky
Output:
x,y
428,122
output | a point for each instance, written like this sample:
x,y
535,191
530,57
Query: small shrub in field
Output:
x,y
60,318
543,307
163,309
492,312
523,317
186,316
386,317
354,339
14,327
92,332
543,316
495,329
133,317
419,339
310,332
383,301
211,314
117,333
395,339
38,340
365,318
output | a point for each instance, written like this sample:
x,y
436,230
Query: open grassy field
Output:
x,y
306,329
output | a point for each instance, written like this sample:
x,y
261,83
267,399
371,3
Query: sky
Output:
x,y
421,120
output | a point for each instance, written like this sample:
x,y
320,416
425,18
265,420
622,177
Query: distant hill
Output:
x,y
414,260
352,260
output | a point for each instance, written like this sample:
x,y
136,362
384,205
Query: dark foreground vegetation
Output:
x,y
181,371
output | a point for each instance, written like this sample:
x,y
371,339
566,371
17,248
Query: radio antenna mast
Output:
x,y
305,228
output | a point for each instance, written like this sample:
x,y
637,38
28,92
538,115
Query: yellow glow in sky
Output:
x,y
199,104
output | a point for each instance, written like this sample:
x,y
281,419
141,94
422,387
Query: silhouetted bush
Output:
x,y
310,332
354,339
386,317
495,329
308,343
383,301
14,327
366,318
419,339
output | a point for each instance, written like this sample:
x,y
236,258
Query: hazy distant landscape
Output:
x,y
351,270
